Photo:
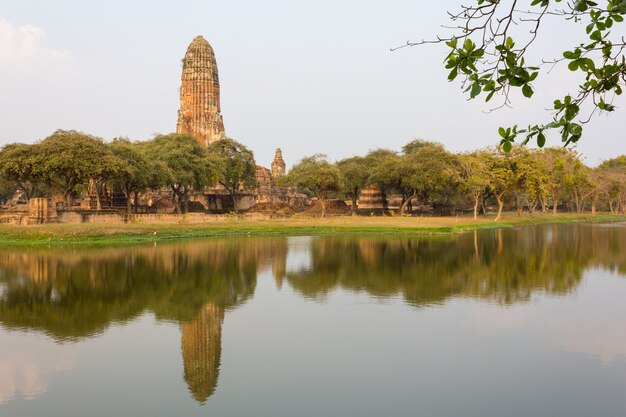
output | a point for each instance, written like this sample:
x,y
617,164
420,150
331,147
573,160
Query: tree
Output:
x,y
134,173
315,175
236,166
355,175
67,159
612,189
561,164
474,178
501,177
17,167
106,168
390,173
185,165
429,170
488,50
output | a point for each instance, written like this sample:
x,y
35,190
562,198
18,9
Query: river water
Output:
x,y
509,322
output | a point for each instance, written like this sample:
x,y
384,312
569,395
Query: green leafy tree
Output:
x,y
390,173
315,175
67,159
612,183
561,164
185,166
501,170
489,48
529,180
134,172
17,167
236,166
106,168
429,171
355,175
474,178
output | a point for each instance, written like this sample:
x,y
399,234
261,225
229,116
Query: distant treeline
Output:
x,y
69,163
427,174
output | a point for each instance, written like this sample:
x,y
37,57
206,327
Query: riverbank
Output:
x,y
102,234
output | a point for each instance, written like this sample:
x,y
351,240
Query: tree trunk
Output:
x,y
555,202
186,200
476,202
235,205
593,206
355,197
406,202
128,208
67,196
98,203
321,200
500,206
176,200
136,196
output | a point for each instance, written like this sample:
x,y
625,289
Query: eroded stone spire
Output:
x,y
278,165
199,113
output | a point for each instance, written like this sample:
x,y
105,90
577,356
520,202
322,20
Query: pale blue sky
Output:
x,y
307,77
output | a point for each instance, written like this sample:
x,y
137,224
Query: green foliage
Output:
x,y
473,176
315,175
135,173
424,170
489,60
235,164
355,175
68,158
185,165
17,168
431,171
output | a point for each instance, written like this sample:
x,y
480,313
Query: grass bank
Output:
x,y
106,234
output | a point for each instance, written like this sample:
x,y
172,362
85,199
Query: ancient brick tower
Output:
x,y
199,113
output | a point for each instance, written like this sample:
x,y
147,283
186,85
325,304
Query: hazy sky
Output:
x,y
309,77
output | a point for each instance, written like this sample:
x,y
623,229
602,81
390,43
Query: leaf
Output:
x,y
527,91
541,139
507,146
452,43
453,74
596,36
475,90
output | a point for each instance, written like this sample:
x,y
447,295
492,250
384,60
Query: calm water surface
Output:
x,y
525,322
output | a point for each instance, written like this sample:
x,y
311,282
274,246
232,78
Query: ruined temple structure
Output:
x,y
199,113
372,199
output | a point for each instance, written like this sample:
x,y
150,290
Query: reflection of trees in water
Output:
x,y
72,294
504,265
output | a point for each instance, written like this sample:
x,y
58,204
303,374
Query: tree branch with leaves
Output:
x,y
488,48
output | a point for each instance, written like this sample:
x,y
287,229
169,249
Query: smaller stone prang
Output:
x,y
278,165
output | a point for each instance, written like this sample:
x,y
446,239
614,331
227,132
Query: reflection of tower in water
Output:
x,y
202,350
